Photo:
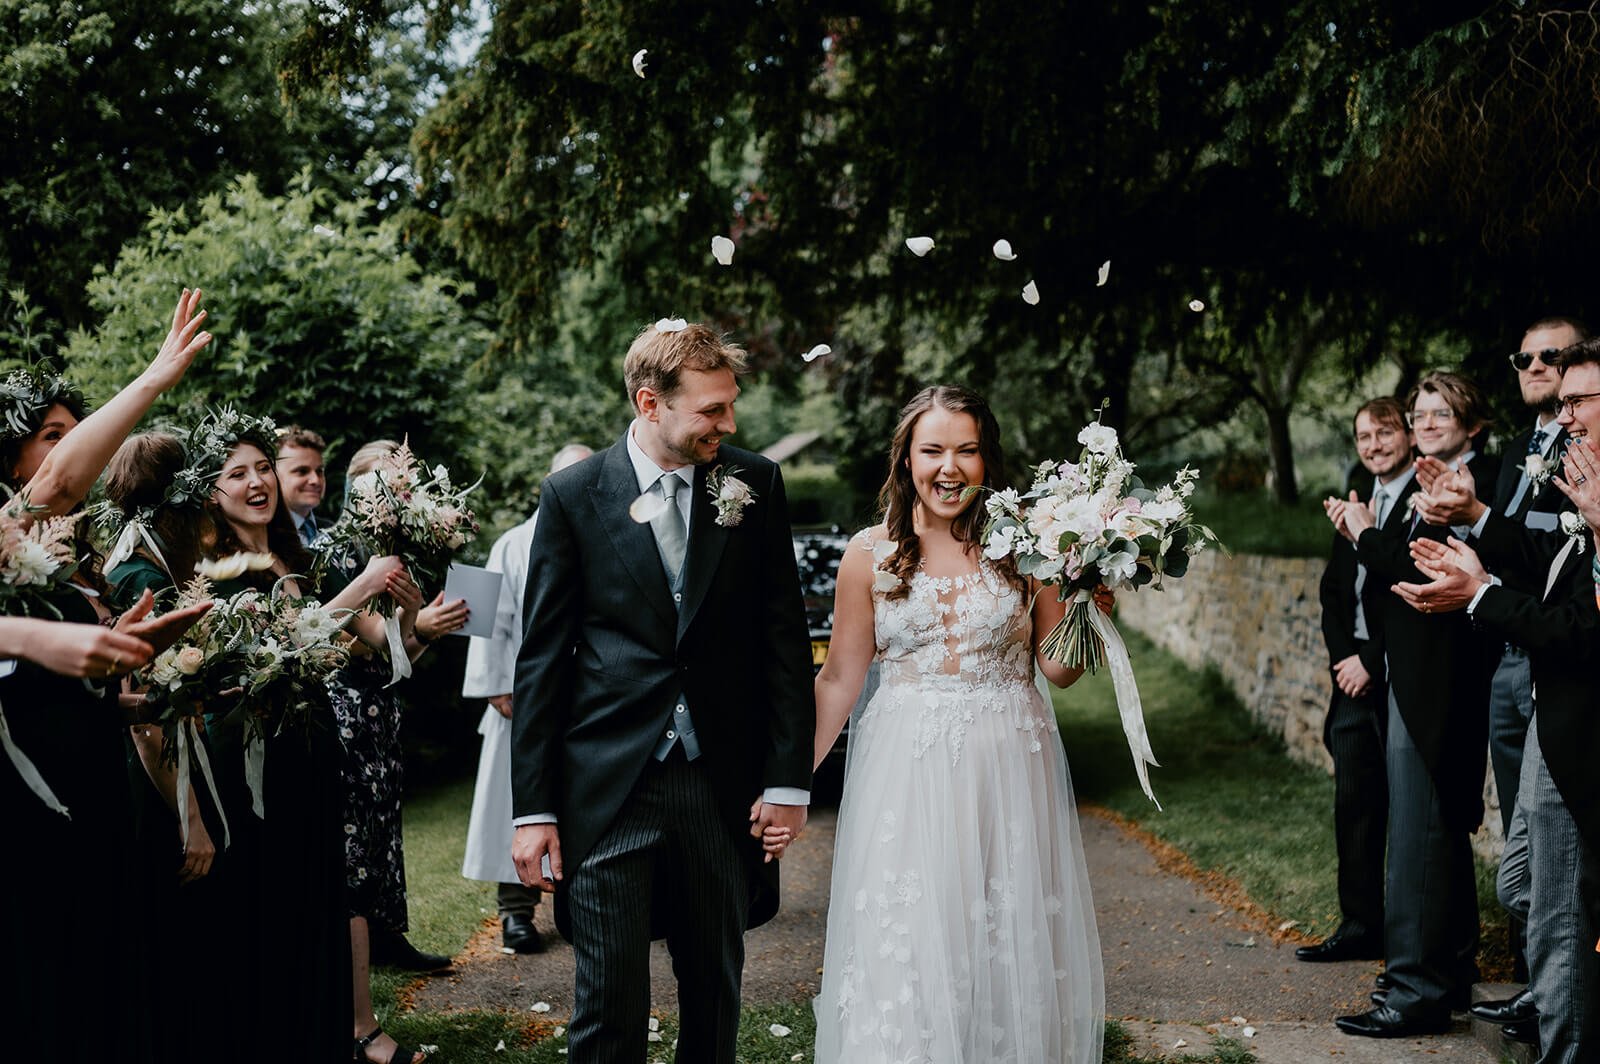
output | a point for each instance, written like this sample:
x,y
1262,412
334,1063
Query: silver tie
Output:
x,y
670,532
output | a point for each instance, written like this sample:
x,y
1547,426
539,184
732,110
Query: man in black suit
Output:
x,y
1544,595
664,684
1437,737
1358,709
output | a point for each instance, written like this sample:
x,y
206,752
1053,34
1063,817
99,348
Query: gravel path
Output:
x,y
1180,964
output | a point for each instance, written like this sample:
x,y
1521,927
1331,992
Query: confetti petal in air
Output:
x,y
1002,250
1105,273
722,250
647,507
638,61
779,1030
1196,305
817,352
919,245
1030,294
666,325
544,1006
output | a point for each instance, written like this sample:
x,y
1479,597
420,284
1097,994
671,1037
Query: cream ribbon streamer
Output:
x,y
28,770
255,771
127,541
399,660
191,749
1129,707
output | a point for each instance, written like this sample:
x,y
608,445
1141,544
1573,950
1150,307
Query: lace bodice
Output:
x,y
951,630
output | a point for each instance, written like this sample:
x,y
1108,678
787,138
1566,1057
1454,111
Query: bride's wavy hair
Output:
x,y
897,499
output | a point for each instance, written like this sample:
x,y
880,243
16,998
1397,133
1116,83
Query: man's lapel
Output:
x,y
633,543
706,540
1559,565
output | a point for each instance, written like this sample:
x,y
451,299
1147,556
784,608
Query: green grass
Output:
x,y
1232,799
1256,523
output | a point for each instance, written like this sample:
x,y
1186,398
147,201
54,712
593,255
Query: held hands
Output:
x,y
1352,676
776,826
501,704
1581,466
1456,571
531,844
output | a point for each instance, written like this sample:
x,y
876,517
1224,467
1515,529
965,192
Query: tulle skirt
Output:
x,y
960,924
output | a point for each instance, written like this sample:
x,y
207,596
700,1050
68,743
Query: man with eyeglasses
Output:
x,y
1353,732
1437,739
1558,801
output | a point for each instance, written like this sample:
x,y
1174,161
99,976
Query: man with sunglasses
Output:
x,y
1525,493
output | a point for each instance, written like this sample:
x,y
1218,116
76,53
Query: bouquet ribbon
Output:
x,y
255,772
1129,707
190,746
399,660
28,770
128,542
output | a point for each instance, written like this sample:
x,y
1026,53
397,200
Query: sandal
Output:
x,y
402,1054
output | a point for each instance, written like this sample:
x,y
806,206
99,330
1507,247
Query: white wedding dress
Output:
x,y
960,924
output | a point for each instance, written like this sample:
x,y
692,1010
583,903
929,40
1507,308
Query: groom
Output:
x,y
664,684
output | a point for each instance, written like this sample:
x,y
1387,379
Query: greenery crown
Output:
x,y
207,446
26,394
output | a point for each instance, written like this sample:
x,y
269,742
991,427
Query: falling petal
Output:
x,y
1240,1020
542,1006
920,245
500,1046
508,949
817,352
653,1036
322,230
558,1032
1030,294
722,250
798,1056
884,581
1002,250
1249,1032
779,1030
1196,305
1180,1044
647,507
638,61
1105,273
653,1023
666,325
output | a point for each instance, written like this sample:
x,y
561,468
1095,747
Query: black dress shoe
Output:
x,y
1380,997
1519,1009
390,948
1342,947
517,933
1384,1022
1526,1032
1383,981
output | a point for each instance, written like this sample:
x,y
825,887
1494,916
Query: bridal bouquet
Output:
x,y
1092,522
403,508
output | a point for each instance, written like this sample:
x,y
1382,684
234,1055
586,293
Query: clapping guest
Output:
x,y
304,479
1358,712
368,712
1559,794
491,662
1436,742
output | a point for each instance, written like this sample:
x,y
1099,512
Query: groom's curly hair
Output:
x,y
656,359
898,496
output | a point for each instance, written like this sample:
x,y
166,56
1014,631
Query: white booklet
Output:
x,y
481,589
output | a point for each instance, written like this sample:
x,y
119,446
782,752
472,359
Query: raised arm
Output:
x,y
74,464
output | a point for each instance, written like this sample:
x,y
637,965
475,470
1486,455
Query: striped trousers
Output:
x,y
669,860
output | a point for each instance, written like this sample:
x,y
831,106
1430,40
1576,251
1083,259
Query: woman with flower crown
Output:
x,y
64,781
961,927
283,875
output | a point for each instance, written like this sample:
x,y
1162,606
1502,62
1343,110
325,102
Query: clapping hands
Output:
x,y
1581,482
1457,574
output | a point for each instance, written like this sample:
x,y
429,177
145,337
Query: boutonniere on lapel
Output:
x,y
730,495
1573,524
1538,469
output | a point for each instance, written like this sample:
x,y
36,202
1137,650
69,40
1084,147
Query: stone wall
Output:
x,y
1259,622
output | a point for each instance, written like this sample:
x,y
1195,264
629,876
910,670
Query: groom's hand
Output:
x,y
790,819
531,844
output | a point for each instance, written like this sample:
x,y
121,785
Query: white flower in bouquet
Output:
x,y
1099,439
164,670
30,563
189,660
312,625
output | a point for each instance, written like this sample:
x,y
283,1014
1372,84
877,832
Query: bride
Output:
x,y
960,926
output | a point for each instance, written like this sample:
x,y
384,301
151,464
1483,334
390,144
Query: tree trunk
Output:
x,y
1280,448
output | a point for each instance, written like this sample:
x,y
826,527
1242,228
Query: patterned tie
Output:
x,y
670,533
308,530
